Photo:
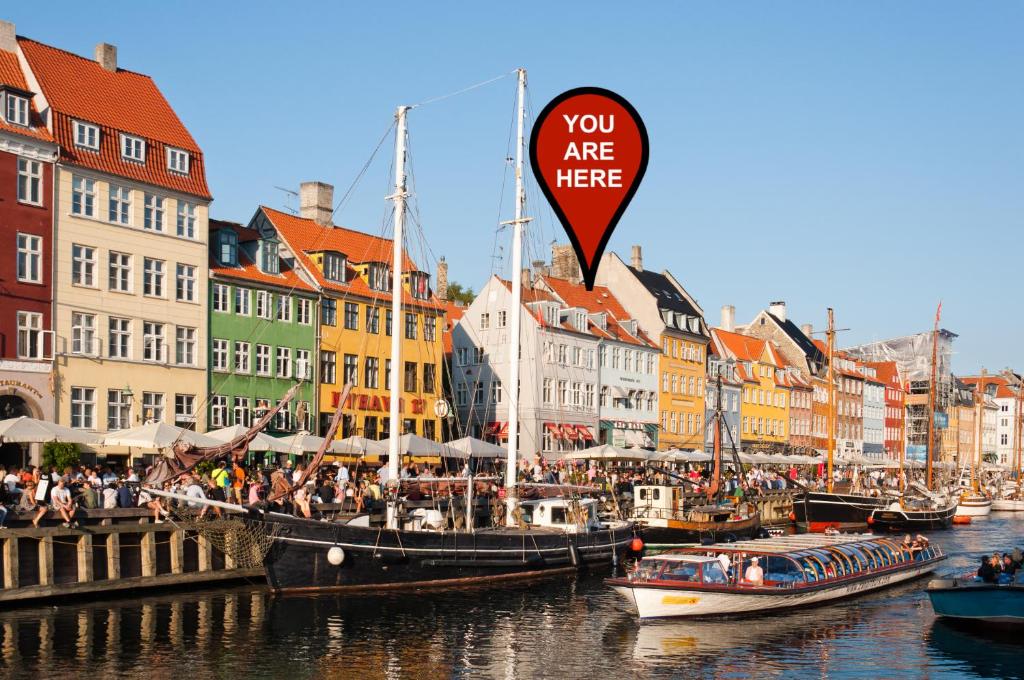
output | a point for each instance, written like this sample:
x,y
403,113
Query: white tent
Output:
x,y
261,442
358,446
157,436
301,442
609,452
679,456
414,445
25,430
472,447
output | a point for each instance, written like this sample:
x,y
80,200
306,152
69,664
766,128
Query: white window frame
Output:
x,y
219,353
283,362
30,181
133,148
154,277
186,222
156,405
283,308
221,301
83,334
119,331
83,190
334,267
16,109
29,258
243,357
185,343
83,408
30,335
264,304
154,218
83,265
218,410
303,367
119,410
87,135
184,408
119,272
154,347
185,282
119,205
304,312
262,360
178,160
241,412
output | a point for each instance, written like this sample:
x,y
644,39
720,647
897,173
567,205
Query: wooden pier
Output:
x,y
114,550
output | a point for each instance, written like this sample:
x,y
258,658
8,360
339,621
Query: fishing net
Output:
x,y
244,541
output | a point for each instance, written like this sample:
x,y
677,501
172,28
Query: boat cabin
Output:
x,y
657,502
568,515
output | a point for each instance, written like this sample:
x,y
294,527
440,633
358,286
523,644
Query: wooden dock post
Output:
x,y
11,562
205,552
84,550
147,548
46,561
113,556
177,539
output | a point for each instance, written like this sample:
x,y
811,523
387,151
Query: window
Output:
x,y
219,355
83,408
30,181
17,110
242,351
372,319
153,277
221,294
577,394
30,335
153,342
410,376
185,286
153,407
86,135
83,265
119,410
284,362
218,410
185,411
242,414
242,301
429,378
263,304
461,394
327,367
371,372
563,355
577,356
378,276
83,196
479,355
429,328
588,395
351,369
267,258
262,359
83,333
119,342
627,360
410,326
30,258
133,148
478,393
177,160
563,393
387,373
616,356
284,308
495,391
185,346
334,267
304,312
548,391
302,364
502,318
485,321
351,316
329,312
153,212
388,323
119,277
186,219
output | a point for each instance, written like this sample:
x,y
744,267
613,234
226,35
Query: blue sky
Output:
x,y
867,156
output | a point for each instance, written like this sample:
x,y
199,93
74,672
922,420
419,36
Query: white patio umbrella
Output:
x,y
301,442
609,452
358,446
25,430
680,456
468,447
261,442
414,445
156,436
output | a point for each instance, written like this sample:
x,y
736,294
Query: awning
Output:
x,y
585,433
496,430
570,432
619,393
555,430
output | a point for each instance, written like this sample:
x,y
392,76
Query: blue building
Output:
x,y
730,395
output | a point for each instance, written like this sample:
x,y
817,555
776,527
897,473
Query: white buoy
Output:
x,y
336,556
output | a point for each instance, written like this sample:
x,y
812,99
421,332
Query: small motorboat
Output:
x,y
785,572
973,504
1008,505
974,600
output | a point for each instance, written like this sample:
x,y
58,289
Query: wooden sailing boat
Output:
x,y
818,511
1012,495
973,502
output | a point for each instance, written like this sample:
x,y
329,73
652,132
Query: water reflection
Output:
x,y
551,628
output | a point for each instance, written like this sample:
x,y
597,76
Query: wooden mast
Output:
x,y
979,429
716,480
831,337
931,398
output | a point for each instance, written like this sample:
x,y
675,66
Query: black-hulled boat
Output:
x,y
818,511
926,510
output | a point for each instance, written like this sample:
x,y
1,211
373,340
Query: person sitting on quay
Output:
x,y
62,503
88,496
28,503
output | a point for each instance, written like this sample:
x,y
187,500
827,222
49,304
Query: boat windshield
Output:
x,y
712,572
682,571
812,568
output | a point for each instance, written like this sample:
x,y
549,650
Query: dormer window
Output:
x,y
378,275
177,160
267,257
133,148
17,109
419,285
334,267
580,321
227,248
87,135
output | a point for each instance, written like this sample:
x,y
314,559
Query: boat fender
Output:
x,y
637,545
574,556
336,556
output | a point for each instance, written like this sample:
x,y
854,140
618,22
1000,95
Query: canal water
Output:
x,y
545,629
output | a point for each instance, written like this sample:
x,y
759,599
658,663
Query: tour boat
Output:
x,y
972,600
1008,505
797,571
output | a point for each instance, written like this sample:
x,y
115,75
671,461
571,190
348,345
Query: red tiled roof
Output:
x,y
887,371
11,74
247,269
304,236
598,300
452,313
743,347
1003,389
120,101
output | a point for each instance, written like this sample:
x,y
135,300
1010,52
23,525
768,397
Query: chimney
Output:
x,y
637,259
8,38
316,202
728,317
527,278
564,264
777,309
442,279
106,56
807,329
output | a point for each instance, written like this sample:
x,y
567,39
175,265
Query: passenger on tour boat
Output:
x,y
990,569
754,575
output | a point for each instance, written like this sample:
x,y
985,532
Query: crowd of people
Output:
x,y
996,568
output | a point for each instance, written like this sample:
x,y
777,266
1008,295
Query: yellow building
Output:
x,y
765,399
352,271
681,397
130,247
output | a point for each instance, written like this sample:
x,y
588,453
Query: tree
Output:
x,y
456,293
60,455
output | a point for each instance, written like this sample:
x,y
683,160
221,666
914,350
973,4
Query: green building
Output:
x,y
264,318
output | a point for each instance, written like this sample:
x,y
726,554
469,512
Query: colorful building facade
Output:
x,y
764,407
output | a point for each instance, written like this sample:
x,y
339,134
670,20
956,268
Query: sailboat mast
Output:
x,y
931,400
716,480
517,303
979,415
831,337
399,197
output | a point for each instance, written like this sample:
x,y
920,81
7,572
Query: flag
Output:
x,y
938,313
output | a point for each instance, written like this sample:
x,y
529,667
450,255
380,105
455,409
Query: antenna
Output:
x,y
289,200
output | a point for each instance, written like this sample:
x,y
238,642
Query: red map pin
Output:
x,y
589,151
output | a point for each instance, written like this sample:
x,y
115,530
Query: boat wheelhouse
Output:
x,y
796,571
665,518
